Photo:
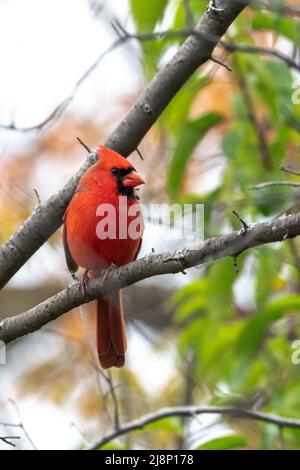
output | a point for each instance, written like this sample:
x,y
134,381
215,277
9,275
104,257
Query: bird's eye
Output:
x,y
115,171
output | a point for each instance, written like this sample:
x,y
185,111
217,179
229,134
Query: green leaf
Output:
x,y
178,110
273,200
275,93
113,446
254,332
192,335
197,8
231,141
146,16
189,308
187,139
267,272
215,351
172,424
223,275
280,24
233,441
195,288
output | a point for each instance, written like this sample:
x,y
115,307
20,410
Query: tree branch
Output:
x,y
285,8
151,265
8,440
269,184
47,217
249,49
191,412
290,171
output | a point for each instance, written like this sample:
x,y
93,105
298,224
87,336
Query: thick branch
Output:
x,y
197,48
192,411
151,265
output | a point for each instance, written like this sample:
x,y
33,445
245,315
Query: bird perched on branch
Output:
x,y
103,226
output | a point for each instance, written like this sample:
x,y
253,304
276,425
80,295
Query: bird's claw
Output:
x,y
110,268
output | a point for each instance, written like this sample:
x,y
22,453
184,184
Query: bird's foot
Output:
x,y
108,270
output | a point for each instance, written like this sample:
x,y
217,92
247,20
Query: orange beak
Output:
x,y
132,180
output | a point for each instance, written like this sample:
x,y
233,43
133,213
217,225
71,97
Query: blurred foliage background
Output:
x,y
219,336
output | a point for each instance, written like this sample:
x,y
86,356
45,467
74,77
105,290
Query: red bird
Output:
x,y
94,238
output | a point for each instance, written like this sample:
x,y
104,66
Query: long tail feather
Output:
x,y
111,335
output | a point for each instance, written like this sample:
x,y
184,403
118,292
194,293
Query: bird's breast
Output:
x,y
103,231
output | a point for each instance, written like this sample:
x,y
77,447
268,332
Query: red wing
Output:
x,y
72,266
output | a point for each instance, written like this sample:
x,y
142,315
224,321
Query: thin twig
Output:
x,y
269,184
139,154
244,224
37,195
54,116
21,425
112,392
249,49
220,62
191,411
189,19
84,145
7,440
284,8
290,171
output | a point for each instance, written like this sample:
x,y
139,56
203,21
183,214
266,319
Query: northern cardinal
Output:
x,y
111,180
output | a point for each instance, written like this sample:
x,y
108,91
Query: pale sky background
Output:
x,y
45,48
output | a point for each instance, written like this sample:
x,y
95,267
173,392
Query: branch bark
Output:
x,y
192,411
151,265
47,217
